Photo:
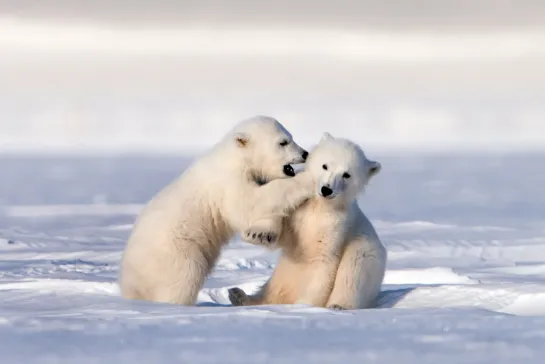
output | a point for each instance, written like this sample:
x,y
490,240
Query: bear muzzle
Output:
x,y
326,191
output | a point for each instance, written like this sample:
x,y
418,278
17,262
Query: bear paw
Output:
x,y
337,308
237,296
258,237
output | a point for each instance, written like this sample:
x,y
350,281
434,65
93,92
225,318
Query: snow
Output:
x,y
465,279
464,225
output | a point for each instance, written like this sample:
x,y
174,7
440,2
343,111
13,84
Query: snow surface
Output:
x,y
465,280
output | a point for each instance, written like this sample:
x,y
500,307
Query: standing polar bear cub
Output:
x,y
331,254
177,238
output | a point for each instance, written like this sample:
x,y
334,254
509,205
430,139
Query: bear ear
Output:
x,y
241,140
326,136
374,168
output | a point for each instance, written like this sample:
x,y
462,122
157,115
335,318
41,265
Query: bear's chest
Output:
x,y
317,229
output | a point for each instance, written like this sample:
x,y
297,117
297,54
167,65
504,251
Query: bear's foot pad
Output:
x,y
237,296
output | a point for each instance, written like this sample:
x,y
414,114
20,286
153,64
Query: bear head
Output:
x,y
267,148
340,169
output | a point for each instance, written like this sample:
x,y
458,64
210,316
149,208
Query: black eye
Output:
x,y
346,175
324,167
283,143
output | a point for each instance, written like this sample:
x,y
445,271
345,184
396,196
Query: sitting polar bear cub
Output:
x,y
178,236
331,255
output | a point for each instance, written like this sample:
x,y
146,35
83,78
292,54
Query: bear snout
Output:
x,y
326,191
304,155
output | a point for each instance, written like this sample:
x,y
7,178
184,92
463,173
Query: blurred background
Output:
x,y
120,76
104,102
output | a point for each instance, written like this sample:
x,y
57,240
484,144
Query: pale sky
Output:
x,y
326,13
177,74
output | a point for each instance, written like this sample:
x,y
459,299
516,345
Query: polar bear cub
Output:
x,y
331,254
178,236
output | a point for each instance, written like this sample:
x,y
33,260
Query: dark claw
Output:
x,y
337,308
254,235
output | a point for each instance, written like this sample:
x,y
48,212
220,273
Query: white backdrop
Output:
x,y
175,75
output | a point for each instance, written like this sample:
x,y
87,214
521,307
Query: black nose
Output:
x,y
305,155
326,191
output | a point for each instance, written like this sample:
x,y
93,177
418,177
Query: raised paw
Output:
x,y
258,237
337,308
237,296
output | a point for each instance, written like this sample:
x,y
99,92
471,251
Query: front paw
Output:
x,y
237,296
260,237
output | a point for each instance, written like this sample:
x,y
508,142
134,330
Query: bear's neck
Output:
x,y
337,204
322,205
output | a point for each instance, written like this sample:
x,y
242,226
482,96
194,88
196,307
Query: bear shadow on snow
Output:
x,y
390,297
386,299
212,304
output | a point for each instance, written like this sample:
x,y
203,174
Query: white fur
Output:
x,y
331,253
178,236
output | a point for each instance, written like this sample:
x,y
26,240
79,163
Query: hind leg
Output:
x,y
238,297
181,284
174,278
181,292
275,291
